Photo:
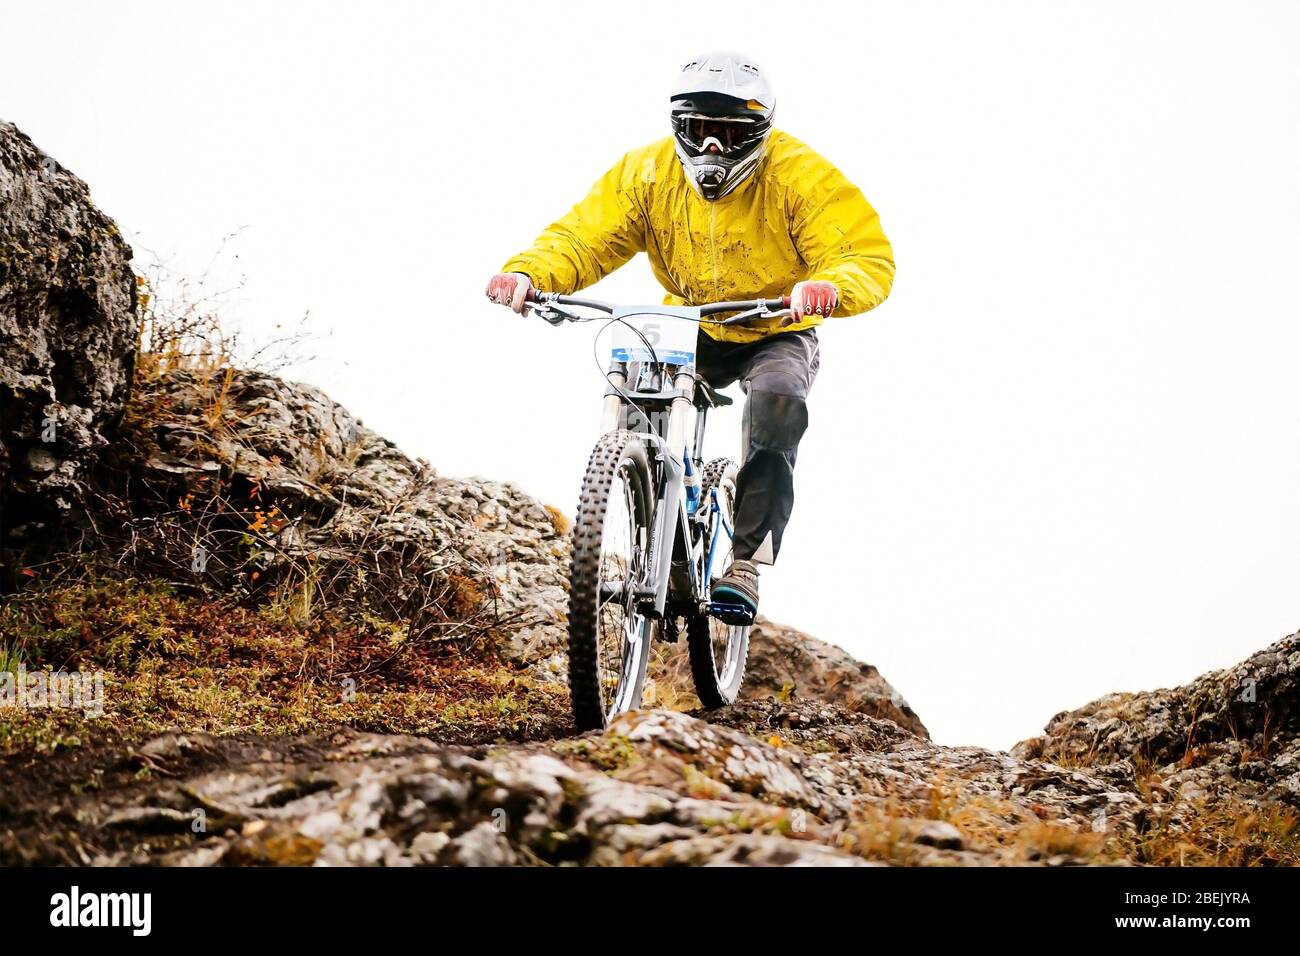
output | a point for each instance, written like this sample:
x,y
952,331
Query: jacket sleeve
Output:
x,y
838,235
594,238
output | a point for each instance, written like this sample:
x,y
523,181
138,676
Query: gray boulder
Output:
x,y
68,329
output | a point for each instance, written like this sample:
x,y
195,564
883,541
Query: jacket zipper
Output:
x,y
713,248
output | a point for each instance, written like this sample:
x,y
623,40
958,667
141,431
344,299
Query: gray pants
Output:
x,y
776,374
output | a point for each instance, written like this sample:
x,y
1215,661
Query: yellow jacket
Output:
x,y
797,217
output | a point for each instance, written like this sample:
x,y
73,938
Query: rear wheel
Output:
x,y
718,650
609,638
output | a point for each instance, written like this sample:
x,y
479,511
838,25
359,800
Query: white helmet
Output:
x,y
721,110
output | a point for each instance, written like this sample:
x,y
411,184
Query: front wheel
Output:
x,y
609,637
718,650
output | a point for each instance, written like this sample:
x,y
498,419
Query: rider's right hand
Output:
x,y
510,289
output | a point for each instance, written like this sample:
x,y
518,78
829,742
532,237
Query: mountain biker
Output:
x,y
728,208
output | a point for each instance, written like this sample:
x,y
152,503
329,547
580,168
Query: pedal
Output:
x,y
737,615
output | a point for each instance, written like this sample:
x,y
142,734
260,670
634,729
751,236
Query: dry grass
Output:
x,y
669,684
997,831
1042,839
183,325
1225,832
198,663
560,520
1073,760
881,833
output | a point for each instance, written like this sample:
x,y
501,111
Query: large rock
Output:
x,y
68,331
1233,732
789,664
346,501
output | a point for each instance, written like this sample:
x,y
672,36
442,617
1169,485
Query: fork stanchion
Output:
x,y
680,410
612,409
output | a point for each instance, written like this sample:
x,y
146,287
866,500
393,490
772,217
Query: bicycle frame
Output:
x,y
662,408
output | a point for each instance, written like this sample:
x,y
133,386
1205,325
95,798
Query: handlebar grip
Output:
x,y
531,296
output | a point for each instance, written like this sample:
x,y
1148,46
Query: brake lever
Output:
x,y
759,313
556,314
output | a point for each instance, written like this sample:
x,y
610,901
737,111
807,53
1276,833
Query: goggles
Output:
x,y
730,136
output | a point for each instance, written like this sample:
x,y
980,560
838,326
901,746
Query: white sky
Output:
x,y
1061,460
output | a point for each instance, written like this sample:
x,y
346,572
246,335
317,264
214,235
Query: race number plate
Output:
x,y
669,330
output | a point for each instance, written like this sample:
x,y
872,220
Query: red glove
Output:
x,y
812,298
511,290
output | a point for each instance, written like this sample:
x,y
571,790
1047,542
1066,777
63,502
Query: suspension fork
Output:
x,y
670,509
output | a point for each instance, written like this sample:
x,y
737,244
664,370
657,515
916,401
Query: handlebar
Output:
x,y
748,308
768,305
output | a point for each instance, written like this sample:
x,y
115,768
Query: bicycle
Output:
x,y
654,522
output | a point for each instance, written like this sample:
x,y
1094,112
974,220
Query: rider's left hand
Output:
x,y
811,298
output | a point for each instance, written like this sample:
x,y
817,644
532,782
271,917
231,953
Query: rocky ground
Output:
x,y
317,650
765,782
